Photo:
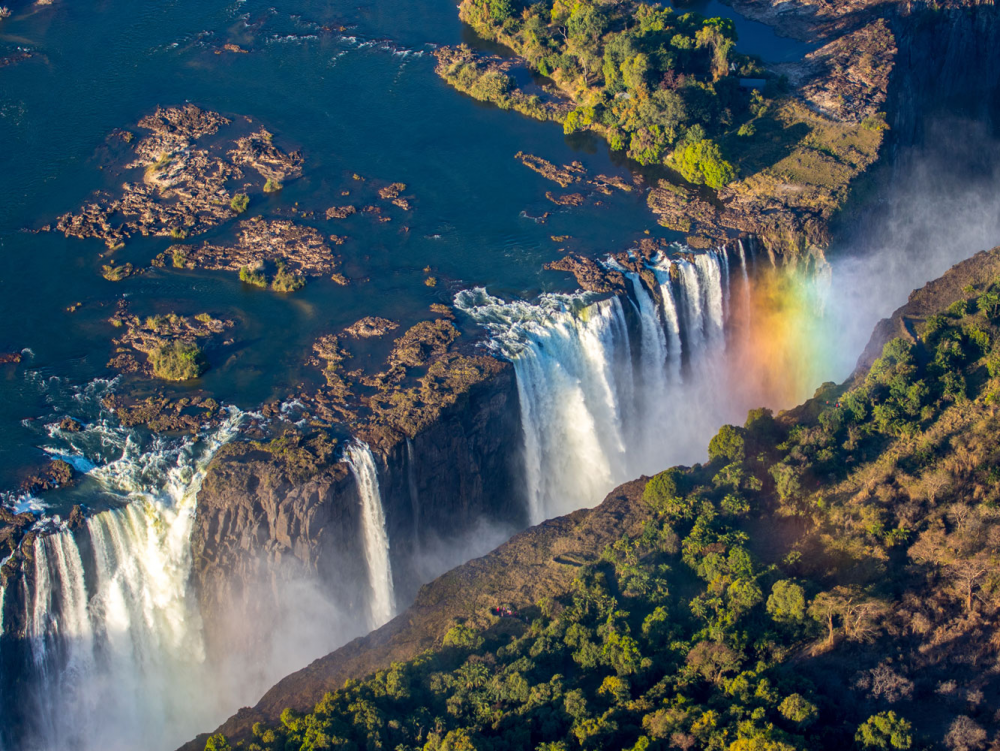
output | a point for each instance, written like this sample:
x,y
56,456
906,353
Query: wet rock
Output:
x,y
259,152
149,336
56,475
301,249
161,414
183,188
570,199
70,425
590,275
392,191
565,175
76,518
370,326
340,212
117,273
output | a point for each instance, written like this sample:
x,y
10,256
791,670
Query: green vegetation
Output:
x,y
828,576
272,186
285,280
116,273
240,203
178,361
256,277
643,76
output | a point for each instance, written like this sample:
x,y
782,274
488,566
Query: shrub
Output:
x,y
178,361
256,278
239,203
286,281
272,186
116,273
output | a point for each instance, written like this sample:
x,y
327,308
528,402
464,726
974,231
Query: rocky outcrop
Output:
x,y
271,512
981,270
533,564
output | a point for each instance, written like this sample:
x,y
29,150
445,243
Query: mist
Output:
x,y
938,204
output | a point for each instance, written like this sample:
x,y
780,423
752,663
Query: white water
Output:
x,y
382,605
599,407
118,655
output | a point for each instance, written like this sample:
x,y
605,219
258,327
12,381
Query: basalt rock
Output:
x,y
590,275
273,512
184,188
261,243
981,270
534,564
371,326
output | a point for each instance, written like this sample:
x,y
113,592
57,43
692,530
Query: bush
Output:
x,y
272,186
178,361
116,273
256,278
286,281
239,203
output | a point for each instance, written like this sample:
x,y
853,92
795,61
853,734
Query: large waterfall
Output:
x,y
114,631
382,605
604,400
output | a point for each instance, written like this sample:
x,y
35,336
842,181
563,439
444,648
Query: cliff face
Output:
x,y
932,298
947,63
271,515
534,564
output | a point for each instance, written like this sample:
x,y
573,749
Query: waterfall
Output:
x,y
591,418
411,480
382,606
116,645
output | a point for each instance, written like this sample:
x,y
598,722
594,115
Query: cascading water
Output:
x,y
382,604
113,629
599,405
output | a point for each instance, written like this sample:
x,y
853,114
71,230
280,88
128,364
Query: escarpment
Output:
x,y
536,563
272,514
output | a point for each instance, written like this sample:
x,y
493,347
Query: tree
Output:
x,y
217,742
965,734
728,443
463,637
857,613
634,72
713,660
701,162
500,10
787,603
663,495
885,730
795,708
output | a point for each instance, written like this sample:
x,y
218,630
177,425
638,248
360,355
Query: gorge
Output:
x,y
225,561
